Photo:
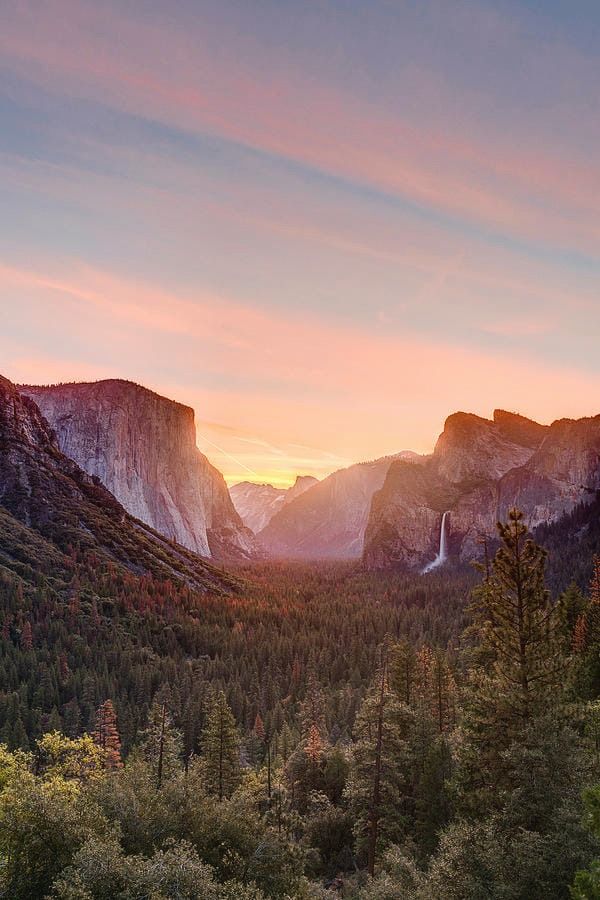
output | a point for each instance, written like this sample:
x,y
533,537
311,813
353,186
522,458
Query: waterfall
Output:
x,y
443,550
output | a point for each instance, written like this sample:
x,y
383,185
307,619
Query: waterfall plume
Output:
x,y
443,548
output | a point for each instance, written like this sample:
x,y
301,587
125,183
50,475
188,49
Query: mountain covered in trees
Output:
x,y
53,513
142,447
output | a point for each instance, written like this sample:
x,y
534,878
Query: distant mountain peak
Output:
x,y
256,504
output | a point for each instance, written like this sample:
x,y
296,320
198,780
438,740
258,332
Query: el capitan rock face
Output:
x,y
479,470
329,519
143,448
51,510
256,504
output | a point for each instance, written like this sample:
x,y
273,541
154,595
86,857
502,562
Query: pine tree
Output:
x,y
259,727
585,641
220,749
442,692
518,659
106,735
26,636
162,744
314,745
595,582
432,804
574,605
403,665
312,709
380,781
519,629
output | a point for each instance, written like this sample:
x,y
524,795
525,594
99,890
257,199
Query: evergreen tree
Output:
x,y
379,788
587,881
432,797
220,749
403,666
520,765
312,710
585,641
106,735
518,660
161,744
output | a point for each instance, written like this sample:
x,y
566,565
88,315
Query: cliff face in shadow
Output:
x,y
480,468
329,519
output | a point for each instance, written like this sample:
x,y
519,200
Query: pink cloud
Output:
x,y
189,81
306,381
419,263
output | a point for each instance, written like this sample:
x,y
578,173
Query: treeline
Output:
x,y
96,632
571,542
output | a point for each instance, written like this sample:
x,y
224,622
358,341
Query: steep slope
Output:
x,y
51,506
572,541
329,519
472,449
143,448
563,471
256,504
480,469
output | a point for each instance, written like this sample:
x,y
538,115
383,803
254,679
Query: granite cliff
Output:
x,y
54,516
480,468
329,519
142,447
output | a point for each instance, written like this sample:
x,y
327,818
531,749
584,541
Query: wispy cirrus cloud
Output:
x,y
394,385
324,226
515,184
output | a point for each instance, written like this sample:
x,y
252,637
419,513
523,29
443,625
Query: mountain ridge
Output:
x,y
48,501
329,519
142,446
256,504
481,468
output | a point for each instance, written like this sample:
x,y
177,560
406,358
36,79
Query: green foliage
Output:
x,y
100,871
329,831
68,758
519,665
268,758
382,770
98,632
161,742
220,749
43,822
587,882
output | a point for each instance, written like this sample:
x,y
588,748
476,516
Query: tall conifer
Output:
x,y
220,749
106,735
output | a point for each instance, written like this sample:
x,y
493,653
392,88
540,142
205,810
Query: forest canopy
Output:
x,y
322,733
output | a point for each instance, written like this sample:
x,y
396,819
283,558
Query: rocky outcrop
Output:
x,y
329,519
481,468
142,447
563,471
472,449
49,504
256,504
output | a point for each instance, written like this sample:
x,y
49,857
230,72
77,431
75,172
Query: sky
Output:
x,y
324,224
